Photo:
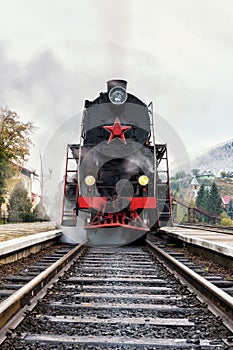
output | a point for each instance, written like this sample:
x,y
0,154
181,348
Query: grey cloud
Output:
x,y
176,53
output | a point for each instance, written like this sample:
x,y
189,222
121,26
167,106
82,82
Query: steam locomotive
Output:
x,y
119,180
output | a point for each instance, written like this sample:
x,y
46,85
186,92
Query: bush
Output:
x,y
40,214
226,222
19,207
224,215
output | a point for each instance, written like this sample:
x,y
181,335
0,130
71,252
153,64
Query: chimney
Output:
x,y
116,82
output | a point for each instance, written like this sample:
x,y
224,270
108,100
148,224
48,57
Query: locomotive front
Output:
x,y
115,181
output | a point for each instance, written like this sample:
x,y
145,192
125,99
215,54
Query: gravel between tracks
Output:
x,y
207,264
17,266
69,299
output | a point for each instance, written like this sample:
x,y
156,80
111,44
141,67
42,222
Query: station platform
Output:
x,y
11,231
221,243
20,240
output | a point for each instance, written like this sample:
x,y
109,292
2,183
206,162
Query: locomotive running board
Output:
x,y
145,229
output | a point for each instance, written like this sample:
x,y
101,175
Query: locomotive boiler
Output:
x,y
118,181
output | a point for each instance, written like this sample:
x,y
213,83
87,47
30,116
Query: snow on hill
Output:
x,y
218,158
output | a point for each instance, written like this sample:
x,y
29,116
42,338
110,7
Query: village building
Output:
x,y
194,187
26,176
225,201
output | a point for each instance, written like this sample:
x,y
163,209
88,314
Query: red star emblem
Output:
x,y
117,130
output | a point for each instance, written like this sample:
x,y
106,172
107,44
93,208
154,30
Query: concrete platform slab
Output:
x,y
24,242
11,231
218,242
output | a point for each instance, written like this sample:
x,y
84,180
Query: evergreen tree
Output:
x,y
19,207
230,209
200,201
195,172
207,204
215,203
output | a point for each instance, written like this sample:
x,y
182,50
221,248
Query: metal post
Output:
x,y
42,179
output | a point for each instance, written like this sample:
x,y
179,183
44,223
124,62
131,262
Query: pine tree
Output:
x,y
230,209
207,204
214,202
200,201
195,172
19,207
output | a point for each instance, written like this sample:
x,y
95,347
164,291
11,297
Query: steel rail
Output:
x,y
16,302
218,301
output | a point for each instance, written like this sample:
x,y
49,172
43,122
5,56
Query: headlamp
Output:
x,y
89,180
143,180
117,95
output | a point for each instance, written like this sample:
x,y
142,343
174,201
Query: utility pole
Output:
x,y
42,179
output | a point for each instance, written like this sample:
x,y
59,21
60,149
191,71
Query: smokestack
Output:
x,y
116,82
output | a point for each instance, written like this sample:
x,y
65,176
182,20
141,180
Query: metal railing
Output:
x,y
3,217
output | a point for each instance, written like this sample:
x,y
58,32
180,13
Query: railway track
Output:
x,y
17,279
225,283
115,298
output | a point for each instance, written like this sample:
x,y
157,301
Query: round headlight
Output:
x,y
89,180
143,180
117,95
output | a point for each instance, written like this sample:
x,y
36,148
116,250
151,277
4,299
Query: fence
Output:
x,y
3,217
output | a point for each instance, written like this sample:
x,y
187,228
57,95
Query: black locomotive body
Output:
x,y
117,182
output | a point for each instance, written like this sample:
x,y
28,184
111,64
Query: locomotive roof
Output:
x,y
103,98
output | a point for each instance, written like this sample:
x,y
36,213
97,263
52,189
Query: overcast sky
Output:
x,y
177,53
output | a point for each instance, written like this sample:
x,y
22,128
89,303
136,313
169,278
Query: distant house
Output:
x,y
206,175
225,201
194,187
35,199
26,176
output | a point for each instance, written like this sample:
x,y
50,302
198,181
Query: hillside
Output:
x,y
214,161
219,158
224,187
